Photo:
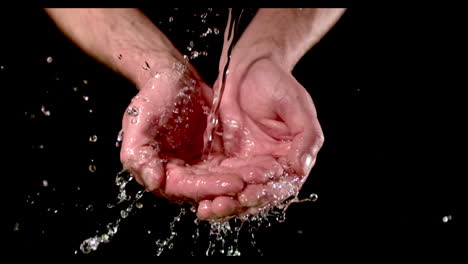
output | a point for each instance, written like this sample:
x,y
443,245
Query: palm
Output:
x,y
251,123
163,131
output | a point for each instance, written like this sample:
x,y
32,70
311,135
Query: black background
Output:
x,y
387,84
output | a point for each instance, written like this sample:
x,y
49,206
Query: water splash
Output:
x,y
168,243
121,181
91,244
224,237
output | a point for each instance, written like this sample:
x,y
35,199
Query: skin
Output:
x,y
271,134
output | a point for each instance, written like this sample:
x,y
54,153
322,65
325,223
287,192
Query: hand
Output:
x,y
163,132
265,114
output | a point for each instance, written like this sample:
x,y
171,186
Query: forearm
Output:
x,y
123,39
285,34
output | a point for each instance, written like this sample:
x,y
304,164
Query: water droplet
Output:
x,y
313,197
194,55
85,81
89,245
119,138
208,31
139,205
2,67
50,59
133,111
123,214
105,238
75,89
16,227
89,207
86,98
45,111
134,121
446,218
45,183
216,31
171,19
55,211
41,146
92,168
93,138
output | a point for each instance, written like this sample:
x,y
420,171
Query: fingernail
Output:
x,y
307,163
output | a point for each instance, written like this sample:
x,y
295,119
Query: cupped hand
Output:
x,y
163,138
264,114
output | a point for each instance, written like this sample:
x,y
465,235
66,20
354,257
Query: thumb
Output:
x,y
297,110
140,151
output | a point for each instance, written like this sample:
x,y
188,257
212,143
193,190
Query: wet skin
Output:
x,y
269,141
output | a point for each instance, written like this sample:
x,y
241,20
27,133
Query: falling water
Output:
x,y
212,124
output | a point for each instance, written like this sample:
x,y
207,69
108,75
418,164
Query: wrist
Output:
x,y
139,67
243,56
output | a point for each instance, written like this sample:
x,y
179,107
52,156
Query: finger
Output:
x,y
183,183
297,110
223,206
144,164
254,195
257,169
204,210
220,207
